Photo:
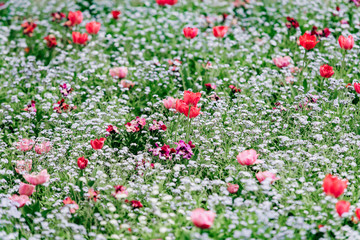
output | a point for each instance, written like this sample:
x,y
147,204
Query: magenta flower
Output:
x,y
157,126
184,149
163,152
31,107
135,125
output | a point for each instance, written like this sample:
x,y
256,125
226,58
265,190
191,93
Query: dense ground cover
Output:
x,y
126,131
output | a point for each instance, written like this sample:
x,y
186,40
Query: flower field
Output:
x,y
179,119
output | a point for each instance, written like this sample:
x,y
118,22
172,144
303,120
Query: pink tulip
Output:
x,y
357,87
44,147
281,62
170,103
248,157
23,166
37,179
119,72
202,219
262,176
346,43
232,188
26,189
25,144
19,201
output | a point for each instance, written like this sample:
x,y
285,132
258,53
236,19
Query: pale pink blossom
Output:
x,y
170,103
119,72
25,144
19,201
202,219
26,189
44,147
127,83
281,62
262,176
23,166
248,157
232,188
37,179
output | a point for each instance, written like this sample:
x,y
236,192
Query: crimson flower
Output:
x,y
115,14
326,71
50,41
82,162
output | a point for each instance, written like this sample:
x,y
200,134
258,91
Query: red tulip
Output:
x,y
346,43
357,212
220,31
82,162
183,108
190,33
326,71
342,207
308,41
97,143
115,14
75,18
357,87
50,41
93,27
194,112
166,2
191,98
334,186
79,38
